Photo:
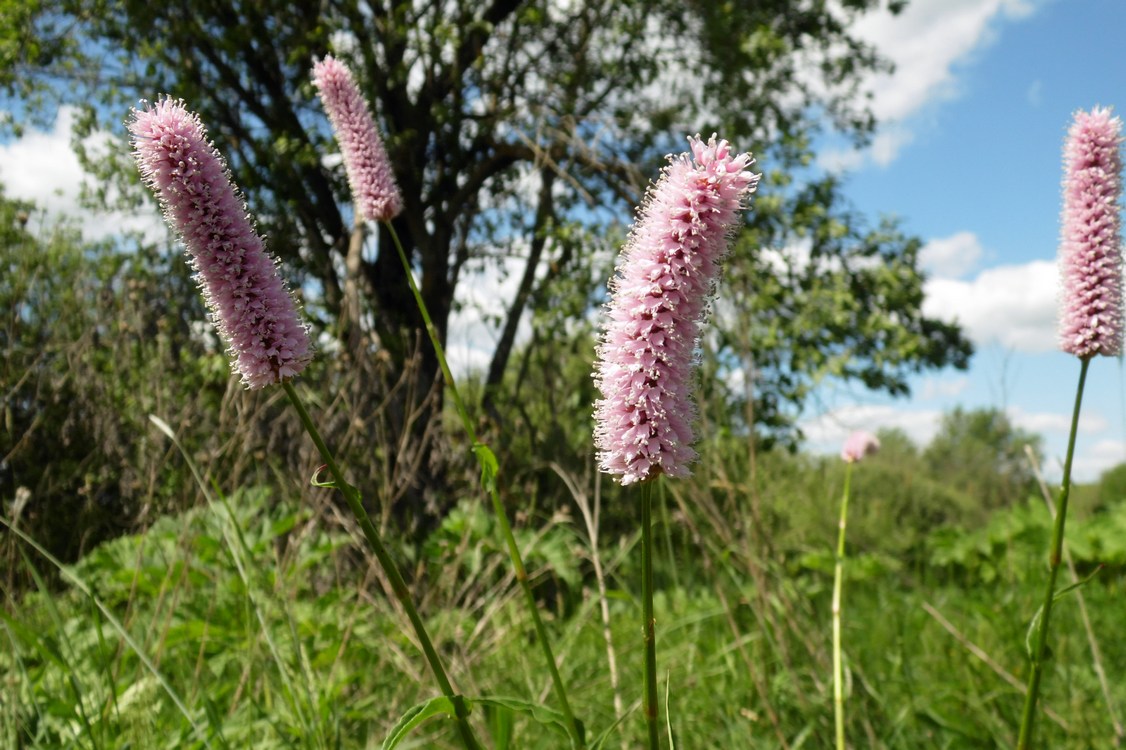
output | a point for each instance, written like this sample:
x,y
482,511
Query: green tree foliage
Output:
x,y
981,454
818,296
529,128
1112,486
90,336
94,338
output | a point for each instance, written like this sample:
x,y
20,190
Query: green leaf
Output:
x,y
316,481
601,741
1034,626
80,584
541,714
1033,629
1068,589
415,716
489,466
283,525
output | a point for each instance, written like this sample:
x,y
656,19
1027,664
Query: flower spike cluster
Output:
x,y
665,277
1091,242
374,190
250,304
858,445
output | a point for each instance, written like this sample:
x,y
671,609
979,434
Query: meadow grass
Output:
x,y
304,648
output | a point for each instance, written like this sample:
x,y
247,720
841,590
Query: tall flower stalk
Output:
x,y
666,274
251,308
858,445
1091,319
376,197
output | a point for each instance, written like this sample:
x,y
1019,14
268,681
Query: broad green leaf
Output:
x,y
489,466
601,741
414,717
539,713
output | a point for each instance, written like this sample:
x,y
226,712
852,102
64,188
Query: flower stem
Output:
x,y
398,585
838,578
1039,646
488,481
649,626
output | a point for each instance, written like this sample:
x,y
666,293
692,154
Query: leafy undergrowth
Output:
x,y
271,630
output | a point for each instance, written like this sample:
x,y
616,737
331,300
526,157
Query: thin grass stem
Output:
x,y
398,585
649,626
838,584
1081,600
1039,645
237,547
489,471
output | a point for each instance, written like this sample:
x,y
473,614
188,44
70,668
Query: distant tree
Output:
x,y
980,453
818,297
88,338
526,129
1112,486
896,446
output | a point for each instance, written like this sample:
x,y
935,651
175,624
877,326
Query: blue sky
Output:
x,y
968,156
970,159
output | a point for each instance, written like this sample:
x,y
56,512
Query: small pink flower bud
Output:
x,y
858,445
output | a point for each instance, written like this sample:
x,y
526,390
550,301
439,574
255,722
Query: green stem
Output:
x,y
838,578
488,480
1028,715
398,585
649,626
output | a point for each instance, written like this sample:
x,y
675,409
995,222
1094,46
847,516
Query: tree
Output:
x,y
92,340
528,127
827,299
981,454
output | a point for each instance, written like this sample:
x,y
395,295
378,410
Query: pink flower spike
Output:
x,y
1091,242
666,274
858,445
374,191
250,304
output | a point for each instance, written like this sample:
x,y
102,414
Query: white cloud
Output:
x,y
888,142
926,42
483,297
883,150
1014,306
943,388
951,257
1090,462
1045,423
41,167
826,432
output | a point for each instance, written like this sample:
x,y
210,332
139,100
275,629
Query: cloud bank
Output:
x,y
926,42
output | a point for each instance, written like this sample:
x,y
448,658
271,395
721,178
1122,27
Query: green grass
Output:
x,y
305,650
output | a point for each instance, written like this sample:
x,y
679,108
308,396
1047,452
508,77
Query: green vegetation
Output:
x,y
144,606
307,650
262,622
